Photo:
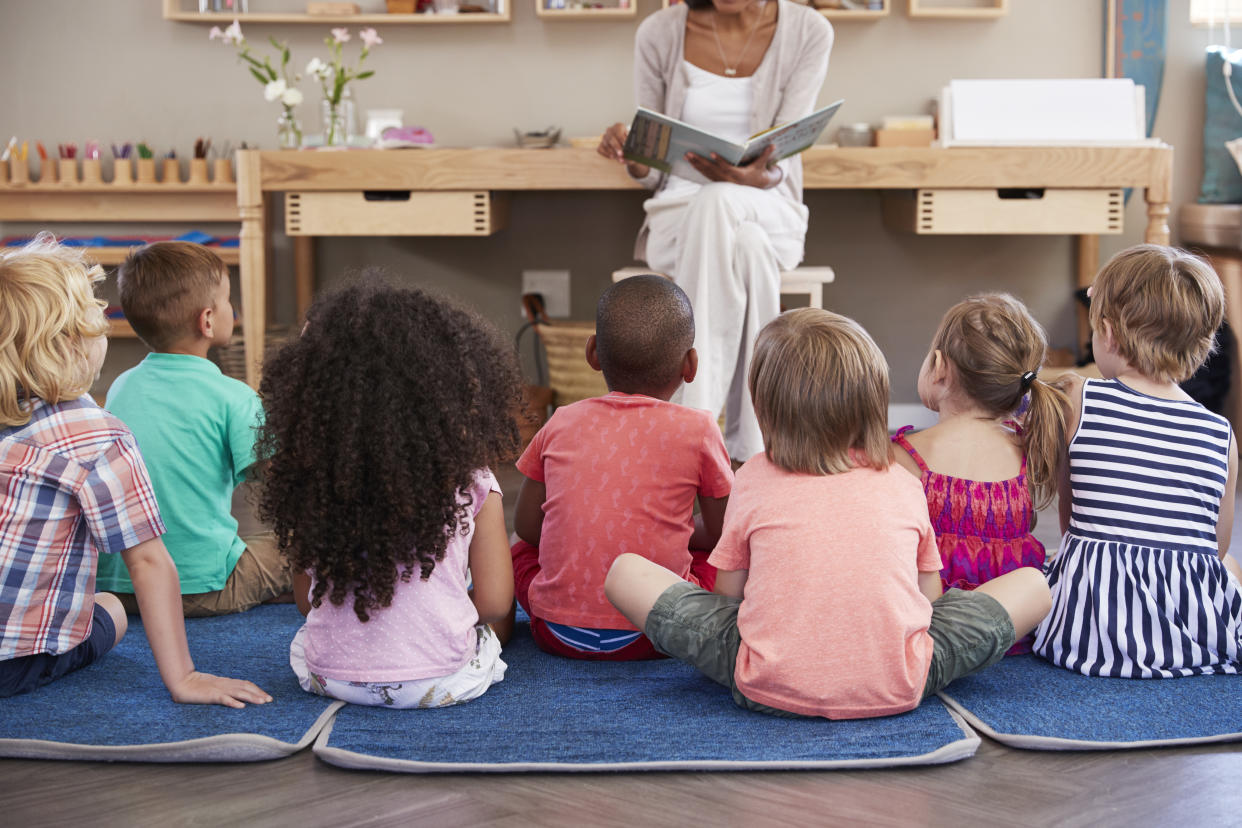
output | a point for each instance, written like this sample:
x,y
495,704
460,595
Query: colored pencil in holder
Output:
x,y
198,171
92,171
145,168
172,171
122,171
223,171
68,170
19,171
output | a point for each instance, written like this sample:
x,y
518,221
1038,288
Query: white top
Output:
x,y
716,104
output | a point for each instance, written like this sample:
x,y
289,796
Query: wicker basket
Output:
x,y
232,357
569,375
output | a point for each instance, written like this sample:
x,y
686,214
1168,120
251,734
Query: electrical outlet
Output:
x,y
554,285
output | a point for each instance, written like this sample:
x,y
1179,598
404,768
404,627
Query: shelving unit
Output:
x,y
842,14
986,10
47,202
173,10
606,13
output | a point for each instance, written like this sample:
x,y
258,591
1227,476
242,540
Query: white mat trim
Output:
x,y
1030,742
226,747
955,751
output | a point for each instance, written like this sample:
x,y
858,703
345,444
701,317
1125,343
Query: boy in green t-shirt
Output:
x,y
196,430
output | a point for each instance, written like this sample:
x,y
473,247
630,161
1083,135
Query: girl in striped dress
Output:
x,y
983,475
1142,586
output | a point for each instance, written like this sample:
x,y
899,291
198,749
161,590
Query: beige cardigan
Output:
x,y
786,84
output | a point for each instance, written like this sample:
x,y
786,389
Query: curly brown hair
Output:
x,y
378,417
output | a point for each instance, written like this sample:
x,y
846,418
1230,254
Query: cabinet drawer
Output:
x,y
1076,212
393,213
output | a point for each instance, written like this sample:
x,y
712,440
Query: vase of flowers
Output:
x,y
278,82
334,77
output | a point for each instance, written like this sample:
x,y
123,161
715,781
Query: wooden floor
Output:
x,y
998,786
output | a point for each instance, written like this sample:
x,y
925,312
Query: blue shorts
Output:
x,y
26,673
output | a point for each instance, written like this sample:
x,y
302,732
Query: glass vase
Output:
x,y
288,131
339,124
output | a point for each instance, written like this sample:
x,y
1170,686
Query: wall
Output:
x,y
127,74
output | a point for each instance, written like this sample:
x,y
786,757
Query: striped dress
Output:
x,y
1137,588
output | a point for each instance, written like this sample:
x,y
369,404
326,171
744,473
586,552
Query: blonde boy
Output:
x,y
74,486
196,429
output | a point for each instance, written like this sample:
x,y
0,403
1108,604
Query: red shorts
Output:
x,y
526,567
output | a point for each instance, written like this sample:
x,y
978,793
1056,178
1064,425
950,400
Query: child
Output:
x,y
983,363
1142,586
619,473
827,599
196,429
74,486
382,421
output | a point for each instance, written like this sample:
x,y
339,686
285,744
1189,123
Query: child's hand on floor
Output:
x,y
204,688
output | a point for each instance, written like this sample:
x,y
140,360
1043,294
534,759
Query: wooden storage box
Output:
x,y
394,213
1071,212
904,137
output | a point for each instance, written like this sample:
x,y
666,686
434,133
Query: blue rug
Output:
x,y
1026,702
118,709
556,714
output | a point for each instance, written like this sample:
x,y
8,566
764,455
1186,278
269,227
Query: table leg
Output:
x,y
1088,264
304,273
253,270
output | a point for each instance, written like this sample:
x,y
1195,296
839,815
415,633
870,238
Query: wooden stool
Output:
x,y
801,281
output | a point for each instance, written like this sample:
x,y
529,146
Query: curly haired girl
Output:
x,y
383,419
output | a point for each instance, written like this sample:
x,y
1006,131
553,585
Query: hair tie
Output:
x,y
1027,379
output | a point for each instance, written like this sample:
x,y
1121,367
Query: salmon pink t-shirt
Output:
x,y
621,473
832,621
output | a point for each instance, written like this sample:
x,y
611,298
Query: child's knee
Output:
x,y
116,612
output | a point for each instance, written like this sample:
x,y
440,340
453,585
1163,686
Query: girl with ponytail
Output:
x,y
984,474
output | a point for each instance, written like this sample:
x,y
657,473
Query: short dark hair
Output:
x,y
643,328
163,288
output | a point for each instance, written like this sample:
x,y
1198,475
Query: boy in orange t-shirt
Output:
x,y
618,474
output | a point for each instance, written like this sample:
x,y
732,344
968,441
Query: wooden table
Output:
x,y
259,174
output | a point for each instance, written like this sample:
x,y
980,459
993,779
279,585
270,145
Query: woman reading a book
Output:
x,y
724,232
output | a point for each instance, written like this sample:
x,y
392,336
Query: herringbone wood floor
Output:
x,y
999,786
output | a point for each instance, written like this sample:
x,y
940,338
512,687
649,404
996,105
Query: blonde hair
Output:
x,y
164,286
996,349
1163,305
48,317
820,388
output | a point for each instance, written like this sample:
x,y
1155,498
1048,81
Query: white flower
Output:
x,y
216,32
275,89
340,35
233,34
292,97
370,37
317,68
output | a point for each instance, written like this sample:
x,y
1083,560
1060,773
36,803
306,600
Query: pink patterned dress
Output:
x,y
983,529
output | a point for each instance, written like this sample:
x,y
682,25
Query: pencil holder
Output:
x,y
146,170
198,171
122,171
172,171
92,171
19,172
68,170
47,171
223,171
4,172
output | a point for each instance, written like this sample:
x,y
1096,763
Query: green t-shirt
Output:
x,y
196,430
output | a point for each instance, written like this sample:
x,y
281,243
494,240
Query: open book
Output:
x,y
659,141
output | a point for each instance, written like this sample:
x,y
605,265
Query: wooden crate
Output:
x,y
949,211
394,213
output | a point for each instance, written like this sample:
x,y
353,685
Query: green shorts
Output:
x,y
970,631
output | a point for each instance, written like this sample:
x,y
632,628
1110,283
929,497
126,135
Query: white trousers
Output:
x,y
725,245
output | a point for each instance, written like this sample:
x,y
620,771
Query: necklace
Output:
x,y
732,70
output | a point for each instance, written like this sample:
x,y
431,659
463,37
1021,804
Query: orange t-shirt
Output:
x,y
832,621
621,474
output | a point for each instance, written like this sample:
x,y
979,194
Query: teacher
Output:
x,y
724,233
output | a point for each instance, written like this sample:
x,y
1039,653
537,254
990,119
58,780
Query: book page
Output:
x,y
791,138
660,142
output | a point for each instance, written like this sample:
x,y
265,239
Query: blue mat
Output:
x,y
556,714
118,709
1026,702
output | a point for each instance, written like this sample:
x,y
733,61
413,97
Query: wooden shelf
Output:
x,y
607,13
994,9
115,255
174,11
120,329
841,14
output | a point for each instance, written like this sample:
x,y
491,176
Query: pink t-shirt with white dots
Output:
x,y
427,631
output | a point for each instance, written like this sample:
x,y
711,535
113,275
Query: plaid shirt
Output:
x,y
72,485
